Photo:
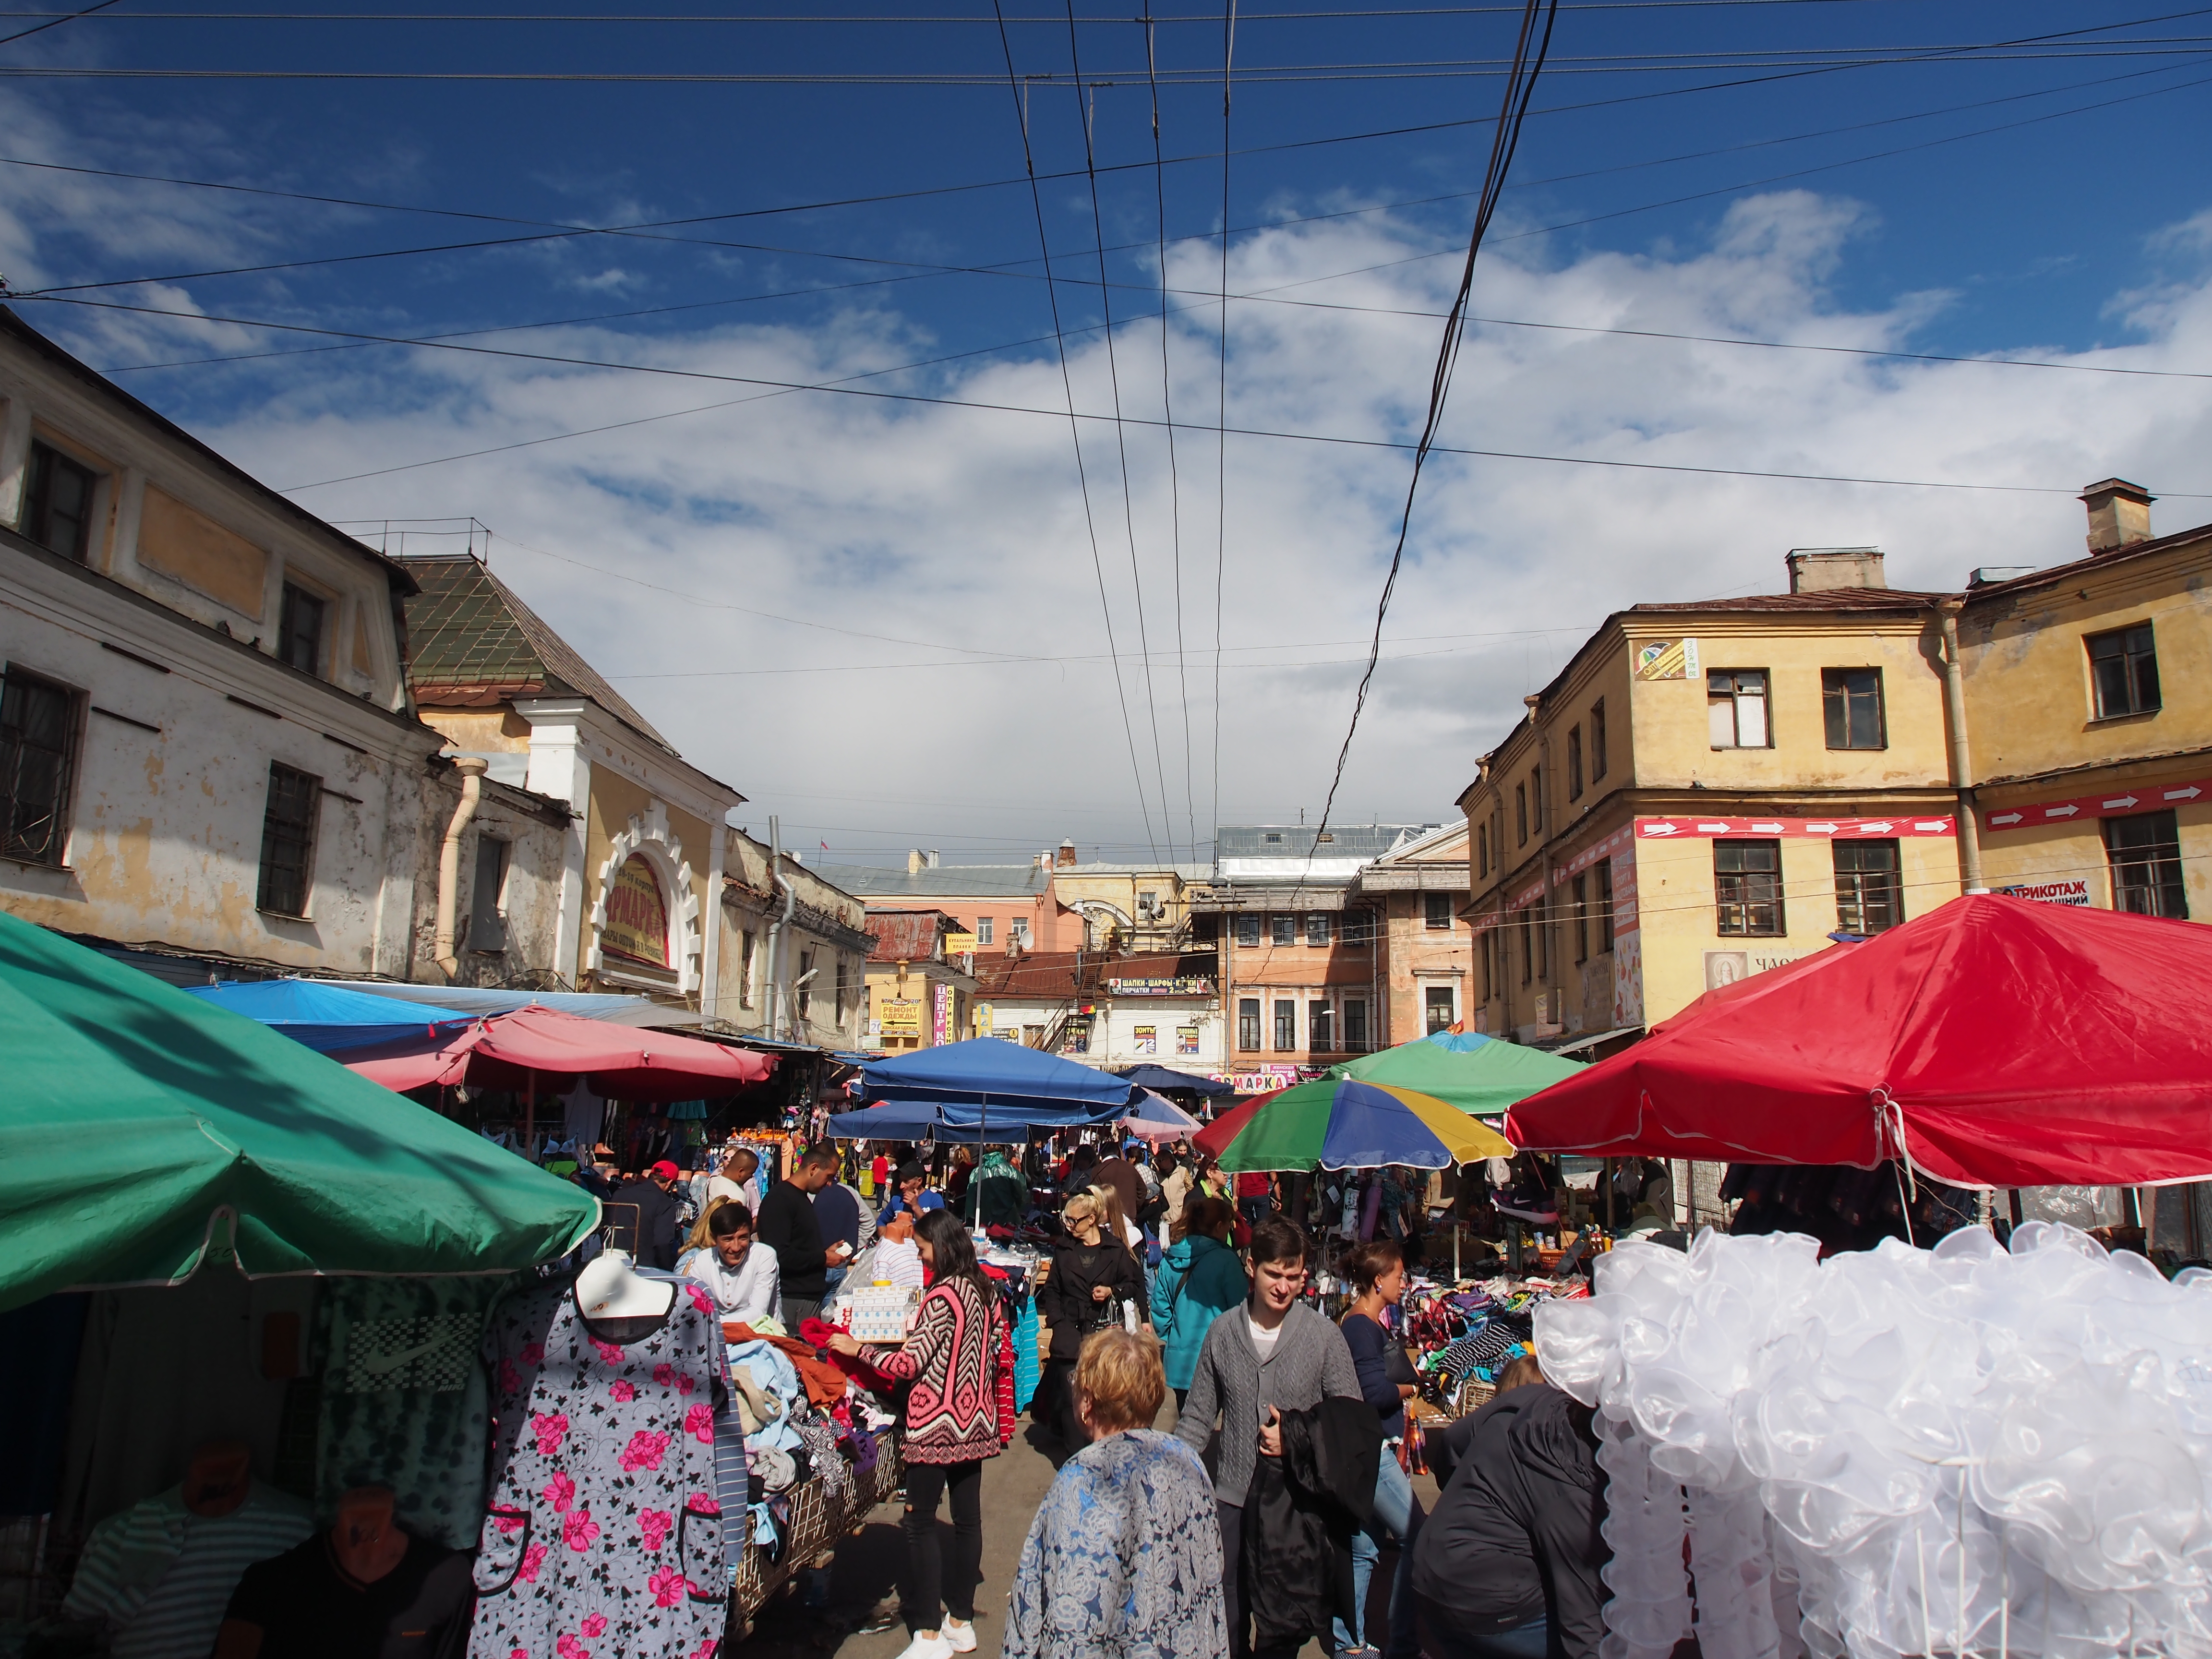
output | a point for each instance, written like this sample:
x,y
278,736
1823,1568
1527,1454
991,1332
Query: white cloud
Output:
x,y
964,526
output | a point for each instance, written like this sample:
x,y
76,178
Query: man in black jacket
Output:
x,y
659,1216
1507,1566
786,1226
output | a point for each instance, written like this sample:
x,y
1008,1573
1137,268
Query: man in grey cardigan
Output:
x,y
1272,1354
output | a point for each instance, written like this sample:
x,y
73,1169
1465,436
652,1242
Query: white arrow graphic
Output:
x,y
1768,829
1661,828
2190,793
2060,812
1820,829
1933,826
2006,818
1712,829
1879,827
2123,802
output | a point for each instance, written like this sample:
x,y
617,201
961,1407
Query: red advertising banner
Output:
x,y
1813,828
2112,804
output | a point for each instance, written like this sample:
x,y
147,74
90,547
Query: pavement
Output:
x,y
869,1561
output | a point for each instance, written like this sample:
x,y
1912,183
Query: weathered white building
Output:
x,y
802,978
206,742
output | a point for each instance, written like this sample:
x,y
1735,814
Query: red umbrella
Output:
x,y
537,1049
1994,1041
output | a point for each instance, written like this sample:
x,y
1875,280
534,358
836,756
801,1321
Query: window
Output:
x,y
1536,800
299,634
38,736
58,505
1018,930
1748,884
1355,1025
1574,762
1317,928
1527,948
1247,931
1736,708
487,910
1539,920
1581,917
1482,849
1850,701
1284,930
844,988
2123,670
1248,1024
287,841
1439,1009
1437,912
1869,894
1147,903
1320,1027
2145,855
1482,950
1358,928
1287,1024
985,928
1275,838
1597,739
805,984
1604,874
1521,813
749,943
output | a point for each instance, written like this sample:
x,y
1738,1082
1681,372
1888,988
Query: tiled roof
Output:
x,y
1347,841
905,935
472,642
946,881
1827,600
1050,974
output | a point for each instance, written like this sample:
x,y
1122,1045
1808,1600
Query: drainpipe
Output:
x,y
777,928
1962,775
472,769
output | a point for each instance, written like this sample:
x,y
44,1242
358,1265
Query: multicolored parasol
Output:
x,y
1475,1073
1340,1123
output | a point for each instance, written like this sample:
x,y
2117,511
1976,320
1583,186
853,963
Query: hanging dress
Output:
x,y
603,1532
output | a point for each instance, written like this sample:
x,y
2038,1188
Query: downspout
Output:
x,y
472,769
1962,773
775,929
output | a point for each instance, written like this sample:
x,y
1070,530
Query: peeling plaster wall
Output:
x,y
535,832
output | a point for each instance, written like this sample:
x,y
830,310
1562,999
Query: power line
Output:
x,y
1505,140
1221,419
54,21
1087,114
711,17
1074,430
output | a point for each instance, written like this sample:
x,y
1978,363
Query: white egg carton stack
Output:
x,y
880,1313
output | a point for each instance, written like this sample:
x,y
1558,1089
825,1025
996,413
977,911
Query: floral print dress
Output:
x,y
603,1534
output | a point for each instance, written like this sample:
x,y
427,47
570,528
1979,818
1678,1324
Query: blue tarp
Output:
x,y
990,1071
326,1017
1168,1081
999,1124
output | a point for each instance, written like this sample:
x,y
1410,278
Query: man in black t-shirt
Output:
x,y
368,1588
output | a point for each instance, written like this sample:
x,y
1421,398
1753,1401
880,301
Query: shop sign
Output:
x,y
1186,1039
900,1019
1189,985
2075,892
1077,1039
1604,850
940,1024
2112,804
1695,828
636,928
1667,659
1727,967
1147,1039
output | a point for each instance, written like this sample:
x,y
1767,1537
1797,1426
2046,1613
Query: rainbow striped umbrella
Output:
x,y
1340,1123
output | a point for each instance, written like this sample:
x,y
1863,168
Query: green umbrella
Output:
x,y
142,1130
1476,1073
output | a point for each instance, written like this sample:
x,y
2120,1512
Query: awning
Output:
x,y
327,1017
996,1073
537,1048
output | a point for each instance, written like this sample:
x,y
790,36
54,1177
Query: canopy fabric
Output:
x,y
141,1126
913,1120
1476,1073
328,1016
1993,1042
1157,1118
482,999
991,1070
1166,1078
1340,1123
536,1046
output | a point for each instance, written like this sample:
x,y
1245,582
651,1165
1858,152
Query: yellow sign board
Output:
x,y
1667,659
636,929
902,1018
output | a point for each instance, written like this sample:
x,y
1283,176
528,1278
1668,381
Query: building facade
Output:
x,y
803,981
207,749
919,995
1110,1011
1127,907
994,907
1416,893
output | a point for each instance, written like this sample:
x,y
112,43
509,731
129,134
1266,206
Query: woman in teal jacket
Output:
x,y
1199,1278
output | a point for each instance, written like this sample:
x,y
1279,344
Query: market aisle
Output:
x,y
1014,1484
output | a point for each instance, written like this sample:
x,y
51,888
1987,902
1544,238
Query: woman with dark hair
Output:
x,y
1377,1272
958,1363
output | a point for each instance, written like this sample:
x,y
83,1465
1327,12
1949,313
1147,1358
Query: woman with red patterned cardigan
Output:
x,y
958,1367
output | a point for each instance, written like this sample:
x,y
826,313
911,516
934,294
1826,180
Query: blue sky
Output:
x,y
1692,169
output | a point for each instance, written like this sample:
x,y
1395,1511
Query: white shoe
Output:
x,y
930,1647
962,1637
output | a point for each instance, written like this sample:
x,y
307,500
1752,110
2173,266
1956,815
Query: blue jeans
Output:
x,y
1528,1641
1397,1513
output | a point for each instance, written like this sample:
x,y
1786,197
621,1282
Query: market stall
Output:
x,y
1481,1074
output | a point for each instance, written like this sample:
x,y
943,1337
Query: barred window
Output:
x,y
1869,890
1747,886
2145,855
38,744
287,841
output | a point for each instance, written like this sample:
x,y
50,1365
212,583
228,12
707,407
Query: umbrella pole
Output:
x,y
530,1120
1607,1179
1458,1227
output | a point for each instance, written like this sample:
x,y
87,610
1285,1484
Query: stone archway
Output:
x,y
648,836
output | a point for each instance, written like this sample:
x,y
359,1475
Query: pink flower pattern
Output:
x,y
532,1559
623,1392
512,1522
684,1385
702,1301
700,1504
560,1491
645,1451
608,1352
652,1526
569,1648
578,1529
594,1624
550,1430
699,1421
668,1586
665,1375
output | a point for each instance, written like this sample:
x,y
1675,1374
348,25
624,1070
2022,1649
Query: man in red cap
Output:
x,y
658,1218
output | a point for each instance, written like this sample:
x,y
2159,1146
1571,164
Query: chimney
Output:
x,y
932,859
1823,569
915,864
1067,855
2119,514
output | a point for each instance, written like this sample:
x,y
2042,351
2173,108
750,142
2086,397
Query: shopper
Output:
x,y
836,1221
735,1180
1508,1567
740,1273
1092,1274
1124,1557
653,1241
958,1364
1000,1196
1377,1272
785,1225
1176,1181
1255,1196
1119,1173
1200,1279
910,1191
1275,1355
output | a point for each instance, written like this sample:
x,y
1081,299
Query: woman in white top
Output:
x,y
740,1275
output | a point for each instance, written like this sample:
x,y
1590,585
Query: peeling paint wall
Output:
x,y
528,902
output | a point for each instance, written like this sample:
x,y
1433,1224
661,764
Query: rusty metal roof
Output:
x,y
1829,599
907,935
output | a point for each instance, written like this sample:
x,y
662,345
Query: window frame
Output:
x,y
1740,882
1597,739
987,930
748,946
1484,949
1355,1026
1286,1025
1482,848
1248,929
1603,870
1320,931
2166,881
1528,949
306,830
1574,762
1018,930
1282,928
1429,1027
1836,699
1521,813
1735,698
1437,912
1248,1025
38,498
297,600
1579,889
1321,1026
2133,664
1852,912
67,759
487,933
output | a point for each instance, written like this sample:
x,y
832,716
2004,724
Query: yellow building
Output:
x,y
1707,790
918,997
2088,702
